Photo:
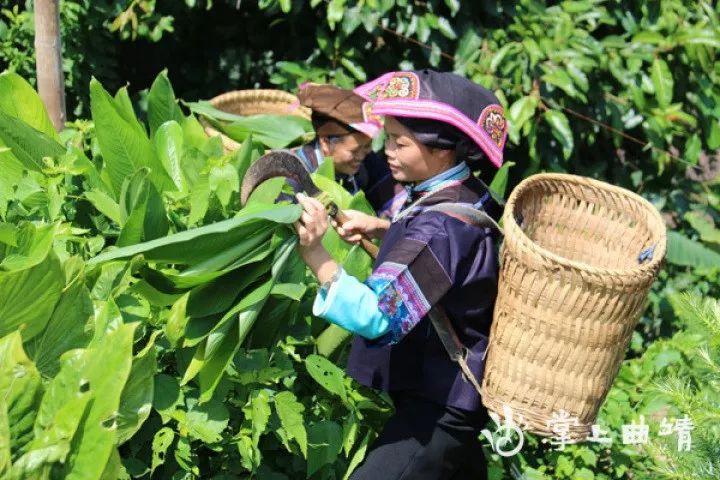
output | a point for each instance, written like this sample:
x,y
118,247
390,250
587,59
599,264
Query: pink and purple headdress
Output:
x,y
443,97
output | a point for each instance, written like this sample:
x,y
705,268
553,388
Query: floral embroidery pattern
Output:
x,y
400,85
399,297
492,120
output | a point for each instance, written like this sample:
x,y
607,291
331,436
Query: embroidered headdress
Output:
x,y
473,112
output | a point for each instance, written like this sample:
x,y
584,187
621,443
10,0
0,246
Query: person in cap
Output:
x,y
343,133
437,125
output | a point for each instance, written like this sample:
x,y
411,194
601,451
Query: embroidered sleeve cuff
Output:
x,y
351,305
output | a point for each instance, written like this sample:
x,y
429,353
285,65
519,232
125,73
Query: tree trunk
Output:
x,y
48,59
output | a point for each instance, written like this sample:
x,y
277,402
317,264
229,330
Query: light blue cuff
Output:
x,y
353,306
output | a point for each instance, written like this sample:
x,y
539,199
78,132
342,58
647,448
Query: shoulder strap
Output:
x,y
475,215
467,213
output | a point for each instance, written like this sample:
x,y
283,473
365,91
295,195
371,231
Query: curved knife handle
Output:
x,y
341,218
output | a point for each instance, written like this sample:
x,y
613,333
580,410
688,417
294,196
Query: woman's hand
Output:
x,y
313,222
361,225
311,228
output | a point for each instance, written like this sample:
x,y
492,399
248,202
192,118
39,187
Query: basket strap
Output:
x,y
468,213
474,215
451,342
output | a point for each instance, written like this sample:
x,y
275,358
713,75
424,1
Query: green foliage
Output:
x,y
152,326
692,387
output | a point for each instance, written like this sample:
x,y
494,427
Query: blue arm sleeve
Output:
x,y
353,306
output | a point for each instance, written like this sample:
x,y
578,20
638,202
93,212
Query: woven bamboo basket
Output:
x,y
572,288
254,102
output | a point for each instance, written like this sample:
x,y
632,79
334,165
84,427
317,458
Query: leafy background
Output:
x,y
134,166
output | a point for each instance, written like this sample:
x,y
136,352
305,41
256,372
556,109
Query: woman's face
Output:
x,y
410,160
348,151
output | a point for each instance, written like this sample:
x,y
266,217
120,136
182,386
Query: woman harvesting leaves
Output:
x,y
343,133
437,126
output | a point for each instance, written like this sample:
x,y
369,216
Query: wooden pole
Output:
x,y
48,60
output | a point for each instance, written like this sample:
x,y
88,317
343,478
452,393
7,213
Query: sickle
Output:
x,y
284,163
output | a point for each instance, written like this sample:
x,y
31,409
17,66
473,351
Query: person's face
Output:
x,y
347,151
410,160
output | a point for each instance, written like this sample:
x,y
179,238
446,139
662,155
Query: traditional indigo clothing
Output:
x,y
425,258
389,302
429,257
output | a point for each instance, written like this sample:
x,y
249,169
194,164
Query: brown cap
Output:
x,y
343,106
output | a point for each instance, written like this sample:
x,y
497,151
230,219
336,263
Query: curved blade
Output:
x,y
278,163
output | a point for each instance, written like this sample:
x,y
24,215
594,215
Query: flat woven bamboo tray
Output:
x,y
254,102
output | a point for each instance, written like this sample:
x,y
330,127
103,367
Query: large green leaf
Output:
x,y
244,156
137,396
327,374
200,244
124,145
663,81
167,395
359,455
33,245
290,412
169,141
224,340
105,205
125,109
273,131
339,195
224,181
258,412
29,297
219,294
20,392
162,440
67,329
704,226
686,252
325,442
248,250
11,173
28,145
105,368
519,113
499,183
143,210
19,99
5,455
204,273
206,421
560,128
162,105
62,409
177,319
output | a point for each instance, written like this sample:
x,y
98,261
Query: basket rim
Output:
x,y
250,96
260,95
509,223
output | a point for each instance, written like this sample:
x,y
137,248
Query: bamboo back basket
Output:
x,y
571,291
254,102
